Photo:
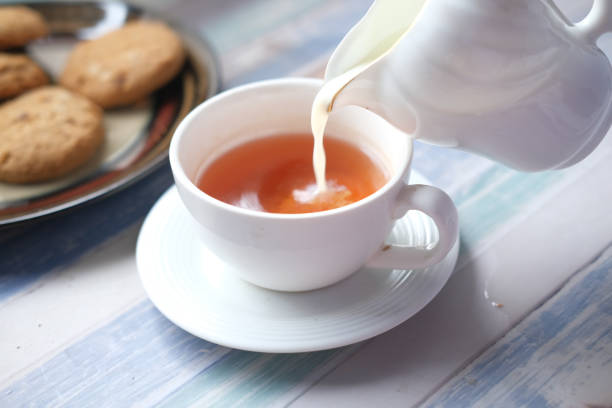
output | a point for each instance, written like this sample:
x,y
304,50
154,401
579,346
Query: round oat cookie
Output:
x,y
46,133
124,65
19,25
18,73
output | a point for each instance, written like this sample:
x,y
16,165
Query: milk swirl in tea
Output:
x,y
274,174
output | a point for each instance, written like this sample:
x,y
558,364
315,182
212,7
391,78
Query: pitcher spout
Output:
x,y
379,94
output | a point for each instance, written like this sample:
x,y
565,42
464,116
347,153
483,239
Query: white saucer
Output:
x,y
196,290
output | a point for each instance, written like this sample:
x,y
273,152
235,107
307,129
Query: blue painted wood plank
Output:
x,y
118,364
561,355
30,251
252,19
269,377
141,357
319,38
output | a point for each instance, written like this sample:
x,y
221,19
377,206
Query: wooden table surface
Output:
x,y
525,320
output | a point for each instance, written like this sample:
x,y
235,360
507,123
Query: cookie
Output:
x,y
124,65
19,25
18,74
46,133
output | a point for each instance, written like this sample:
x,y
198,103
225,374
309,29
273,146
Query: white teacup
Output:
x,y
296,252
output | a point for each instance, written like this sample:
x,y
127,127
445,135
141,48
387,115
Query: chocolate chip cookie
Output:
x,y
124,65
46,133
19,25
18,73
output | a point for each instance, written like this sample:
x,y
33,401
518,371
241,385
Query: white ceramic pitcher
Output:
x,y
512,80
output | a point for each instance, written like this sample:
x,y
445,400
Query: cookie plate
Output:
x,y
137,137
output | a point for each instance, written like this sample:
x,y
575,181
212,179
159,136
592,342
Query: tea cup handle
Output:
x,y
439,206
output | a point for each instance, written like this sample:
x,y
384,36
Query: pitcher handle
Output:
x,y
598,21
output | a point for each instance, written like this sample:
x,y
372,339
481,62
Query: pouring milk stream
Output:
x,y
372,38
513,81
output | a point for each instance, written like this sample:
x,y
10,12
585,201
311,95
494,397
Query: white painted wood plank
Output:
x,y
67,304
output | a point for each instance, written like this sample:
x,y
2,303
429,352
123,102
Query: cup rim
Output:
x,y
181,177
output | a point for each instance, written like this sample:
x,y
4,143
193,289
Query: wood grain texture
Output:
x,y
560,356
141,358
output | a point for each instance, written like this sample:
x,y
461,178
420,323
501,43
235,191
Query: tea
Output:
x,y
275,174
